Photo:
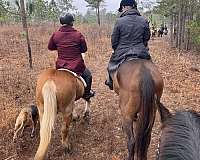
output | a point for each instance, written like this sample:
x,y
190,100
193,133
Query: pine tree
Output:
x,y
96,5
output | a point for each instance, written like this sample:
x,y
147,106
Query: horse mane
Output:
x,y
180,138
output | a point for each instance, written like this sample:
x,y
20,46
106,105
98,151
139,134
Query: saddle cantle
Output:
x,y
77,76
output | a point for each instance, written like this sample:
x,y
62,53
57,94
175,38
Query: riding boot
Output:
x,y
87,76
109,82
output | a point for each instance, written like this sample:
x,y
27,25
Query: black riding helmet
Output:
x,y
131,3
67,19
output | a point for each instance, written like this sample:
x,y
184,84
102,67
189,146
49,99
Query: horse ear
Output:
x,y
164,112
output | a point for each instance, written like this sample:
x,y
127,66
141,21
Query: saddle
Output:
x,y
77,76
136,56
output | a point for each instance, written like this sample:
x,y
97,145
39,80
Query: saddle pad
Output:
x,y
79,77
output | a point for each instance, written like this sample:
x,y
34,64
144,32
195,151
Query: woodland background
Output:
x,y
25,28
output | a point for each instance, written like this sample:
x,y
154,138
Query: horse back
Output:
x,y
131,72
66,86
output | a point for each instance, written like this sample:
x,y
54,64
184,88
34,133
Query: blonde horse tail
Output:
x,y
48,119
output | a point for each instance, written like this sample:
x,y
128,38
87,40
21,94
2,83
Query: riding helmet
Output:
x,y
132,3
66,19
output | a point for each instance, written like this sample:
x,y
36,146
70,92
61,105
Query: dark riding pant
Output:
x,y
87,76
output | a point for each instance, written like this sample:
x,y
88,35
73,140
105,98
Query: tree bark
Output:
x,y
171,30
176,30
98,14
180,19
25,28
190,18
183,35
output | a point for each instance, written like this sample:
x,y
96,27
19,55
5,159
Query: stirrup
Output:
x,y
89,95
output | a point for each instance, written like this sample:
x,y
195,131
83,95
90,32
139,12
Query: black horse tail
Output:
x,y
147,113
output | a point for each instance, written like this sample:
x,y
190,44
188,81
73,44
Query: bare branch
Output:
x,y
18,14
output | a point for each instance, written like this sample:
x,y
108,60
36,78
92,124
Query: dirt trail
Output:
x,y
102,138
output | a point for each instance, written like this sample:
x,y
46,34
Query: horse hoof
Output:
x,y
68,149
76,118
14,140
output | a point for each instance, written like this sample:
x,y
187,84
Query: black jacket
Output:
x,y
130,38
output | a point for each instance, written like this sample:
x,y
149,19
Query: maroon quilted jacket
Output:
x,y
69,43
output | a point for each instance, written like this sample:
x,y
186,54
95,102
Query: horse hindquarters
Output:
x,y
129,114
147,114
47,119
138,112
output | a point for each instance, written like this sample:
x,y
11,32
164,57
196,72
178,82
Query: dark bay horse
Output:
x,y
180,138
139,86
56,91
160,32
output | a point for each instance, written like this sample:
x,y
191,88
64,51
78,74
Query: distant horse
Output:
x,y
180,136
153,33
139,86
160,32
56,91
165,32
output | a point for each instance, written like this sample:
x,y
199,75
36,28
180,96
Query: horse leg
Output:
x,y
87,111
129,110
41,112
128,113
22,131
17,130
65,130
34,123
75,116
128,129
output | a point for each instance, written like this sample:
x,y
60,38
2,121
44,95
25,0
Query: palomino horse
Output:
x,y
56,91
180,135
139,86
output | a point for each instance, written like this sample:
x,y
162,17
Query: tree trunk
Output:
x,y
180,19
183,36
25,28
188,40
171,30
176,30
98,14
190,18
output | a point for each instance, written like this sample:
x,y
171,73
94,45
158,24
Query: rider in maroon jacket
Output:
x,y
70,43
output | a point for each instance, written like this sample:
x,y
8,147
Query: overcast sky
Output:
x,y
110,5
